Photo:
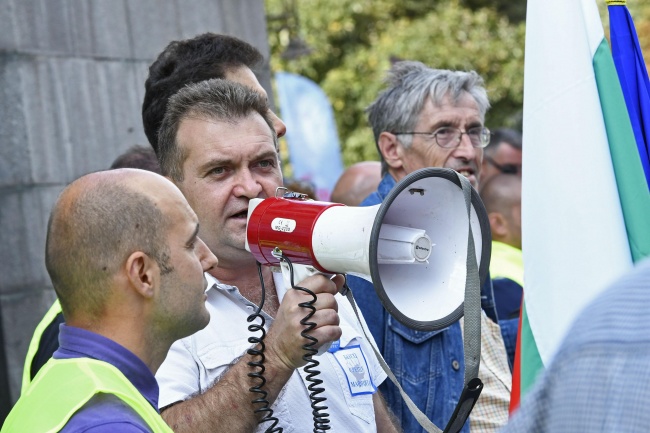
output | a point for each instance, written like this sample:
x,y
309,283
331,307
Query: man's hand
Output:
x,y
284,342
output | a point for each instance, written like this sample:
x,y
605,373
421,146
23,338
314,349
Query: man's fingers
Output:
x,y
321,283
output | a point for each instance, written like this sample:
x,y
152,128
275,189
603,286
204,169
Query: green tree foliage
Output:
x,y
353,43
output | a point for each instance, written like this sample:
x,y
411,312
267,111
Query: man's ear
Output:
x,y
143,273
498,225
390,149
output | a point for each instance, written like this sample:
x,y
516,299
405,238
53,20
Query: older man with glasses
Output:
x,y
502,155
433,118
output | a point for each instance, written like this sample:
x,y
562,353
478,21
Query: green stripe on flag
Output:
x,y
531,362
630,179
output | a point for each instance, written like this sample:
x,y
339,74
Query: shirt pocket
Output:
x,y
216,359
360,405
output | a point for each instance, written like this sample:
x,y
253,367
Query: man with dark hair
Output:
x,y
502,155
127,265
203,57
217,143
433,118
142,157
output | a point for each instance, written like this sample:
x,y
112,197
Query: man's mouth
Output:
x,y
239,215
466,172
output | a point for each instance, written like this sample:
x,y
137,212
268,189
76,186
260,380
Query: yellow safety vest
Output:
x,y
507,262
54,310
63,386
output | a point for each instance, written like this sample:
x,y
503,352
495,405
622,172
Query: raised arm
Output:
x,y
226,405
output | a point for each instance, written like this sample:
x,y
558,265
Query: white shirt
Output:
x,y
195,362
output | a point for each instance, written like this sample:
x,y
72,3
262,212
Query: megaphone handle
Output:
x,y
466,403
300,272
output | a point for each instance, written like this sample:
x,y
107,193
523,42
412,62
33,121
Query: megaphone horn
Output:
x,y
412,247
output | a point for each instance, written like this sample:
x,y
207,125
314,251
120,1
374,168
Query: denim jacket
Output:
x,y
429,365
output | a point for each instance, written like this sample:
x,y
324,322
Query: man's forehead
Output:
x,y
243,75
464,107
203,133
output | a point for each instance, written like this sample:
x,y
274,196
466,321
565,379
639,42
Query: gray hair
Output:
x,y
215,99
409,84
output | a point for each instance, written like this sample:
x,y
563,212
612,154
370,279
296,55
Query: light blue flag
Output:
x,y
313,142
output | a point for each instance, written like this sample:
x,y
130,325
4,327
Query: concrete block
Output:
x,y
152,25
41,26
23,225
103,108
246,20
14,154
47,126
199,16
8,26
99,28
20,315
86,28
125,81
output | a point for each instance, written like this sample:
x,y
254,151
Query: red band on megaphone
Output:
x,y
287,224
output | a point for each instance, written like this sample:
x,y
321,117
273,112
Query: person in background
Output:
x,y
596,380
187,61
127,265
502,155
501,196
142,157
301,187
356,183
433,118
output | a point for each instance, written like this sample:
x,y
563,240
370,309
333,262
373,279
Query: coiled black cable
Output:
x,y
319,414
258,364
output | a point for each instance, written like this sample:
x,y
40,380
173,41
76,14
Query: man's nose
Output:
x,y
278,125
465,148
208,259
247,185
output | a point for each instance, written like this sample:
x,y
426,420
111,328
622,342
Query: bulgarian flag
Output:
x,y
585,201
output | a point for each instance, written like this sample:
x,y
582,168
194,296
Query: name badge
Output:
x,y
355,367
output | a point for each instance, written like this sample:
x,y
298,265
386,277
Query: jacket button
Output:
x,y
455,365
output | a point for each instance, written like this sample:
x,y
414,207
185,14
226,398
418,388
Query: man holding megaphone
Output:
x,y
433,118
217,144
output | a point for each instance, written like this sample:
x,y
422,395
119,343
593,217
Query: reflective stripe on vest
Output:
x,y
54,310
63,386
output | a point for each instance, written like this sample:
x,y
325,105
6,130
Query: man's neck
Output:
x,y
246,278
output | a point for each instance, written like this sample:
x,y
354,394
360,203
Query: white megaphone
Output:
x,y
412,247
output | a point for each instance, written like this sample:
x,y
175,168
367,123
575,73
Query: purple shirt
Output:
x,y
105,413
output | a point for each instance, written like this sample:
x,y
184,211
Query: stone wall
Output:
x,y
72,78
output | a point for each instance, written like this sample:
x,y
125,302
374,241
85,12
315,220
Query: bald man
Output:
x,y
502,198
356,183
128,268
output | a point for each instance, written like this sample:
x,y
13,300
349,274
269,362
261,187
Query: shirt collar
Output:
x,y
81,343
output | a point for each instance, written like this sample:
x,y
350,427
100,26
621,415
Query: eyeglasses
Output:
x,y
505,168
449,138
